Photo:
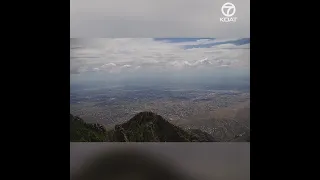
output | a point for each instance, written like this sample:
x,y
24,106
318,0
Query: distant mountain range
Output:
x,y
143,127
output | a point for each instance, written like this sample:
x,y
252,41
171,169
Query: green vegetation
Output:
x,y
81,131
143,127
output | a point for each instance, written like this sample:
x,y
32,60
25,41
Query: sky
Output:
x,y
156,18
130,40
181,59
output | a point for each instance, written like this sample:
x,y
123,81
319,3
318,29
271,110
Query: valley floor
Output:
x,y
223,114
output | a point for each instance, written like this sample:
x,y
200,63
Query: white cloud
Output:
x,y
121,54
109,64
126,66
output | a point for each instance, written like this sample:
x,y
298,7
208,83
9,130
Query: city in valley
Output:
x,y
225,114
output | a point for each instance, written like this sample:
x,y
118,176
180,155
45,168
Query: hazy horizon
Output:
x,y
160,61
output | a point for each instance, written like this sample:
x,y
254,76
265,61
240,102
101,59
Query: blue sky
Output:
x,y
179,40
236,42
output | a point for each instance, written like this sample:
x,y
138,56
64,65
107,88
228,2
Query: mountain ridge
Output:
x,y
143,127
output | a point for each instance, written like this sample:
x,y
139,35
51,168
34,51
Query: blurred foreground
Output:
x,y
160,161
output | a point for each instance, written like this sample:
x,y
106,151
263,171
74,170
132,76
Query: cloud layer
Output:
x,y
156,18
115,55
